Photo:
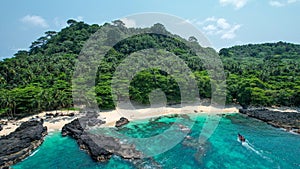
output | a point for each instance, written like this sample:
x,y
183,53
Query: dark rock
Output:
x,y
77,126
123,121
99,147
71,114
20,143
3,122
49,115
1,128
73,129
286,120
90,142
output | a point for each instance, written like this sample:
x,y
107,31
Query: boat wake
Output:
x,y
252,148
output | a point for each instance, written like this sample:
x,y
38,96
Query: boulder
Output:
x,y
19,144
99,147
123,121
73,129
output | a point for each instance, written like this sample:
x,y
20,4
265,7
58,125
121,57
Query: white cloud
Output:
x,y
210,19
281,3
210,28
219,27
129,23
292,1
236,3
222,23
79,18
35,21
230,34
276,3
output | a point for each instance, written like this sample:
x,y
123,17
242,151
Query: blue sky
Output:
x,y
223,22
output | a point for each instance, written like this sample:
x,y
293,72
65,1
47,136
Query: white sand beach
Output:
x,y
56,123
112,116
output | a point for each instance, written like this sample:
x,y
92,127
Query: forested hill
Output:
x,y
40,79
263,74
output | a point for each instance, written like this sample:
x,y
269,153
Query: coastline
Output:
x,y
64,120
288,119
57,123
52,124
144,113
112,116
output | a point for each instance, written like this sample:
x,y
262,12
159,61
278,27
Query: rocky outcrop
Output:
x,y
287,120
123,121
99,147
59,114
20,143
77,126
73,129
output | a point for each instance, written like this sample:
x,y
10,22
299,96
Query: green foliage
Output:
x,y
40,79
266,74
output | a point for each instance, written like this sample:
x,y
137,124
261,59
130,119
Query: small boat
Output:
x,y
241,138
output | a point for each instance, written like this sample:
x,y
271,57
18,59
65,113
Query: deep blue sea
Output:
x,y
266,147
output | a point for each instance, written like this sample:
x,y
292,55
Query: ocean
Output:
x,y
266,147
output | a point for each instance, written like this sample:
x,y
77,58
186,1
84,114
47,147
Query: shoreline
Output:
x,y
52,123
144,113
57,123
286,119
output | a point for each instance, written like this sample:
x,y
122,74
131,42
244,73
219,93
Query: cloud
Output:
x,y
222,23
35,21
129,23
276,3
281,3
210,28
230,34
79,18
292,1
236,3
219,27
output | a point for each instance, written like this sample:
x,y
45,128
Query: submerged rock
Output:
x,y
201,148
99,147
146,163
19,144
123,121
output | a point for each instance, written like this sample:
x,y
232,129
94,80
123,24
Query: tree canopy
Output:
x,y
40,79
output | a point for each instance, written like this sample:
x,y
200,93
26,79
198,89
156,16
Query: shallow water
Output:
x,y
266,147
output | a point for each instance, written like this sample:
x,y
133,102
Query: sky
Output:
x,y
223,22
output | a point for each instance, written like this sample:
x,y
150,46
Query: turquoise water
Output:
x,y
266,147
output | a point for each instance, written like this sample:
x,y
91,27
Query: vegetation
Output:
x,y
40,79
264,74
